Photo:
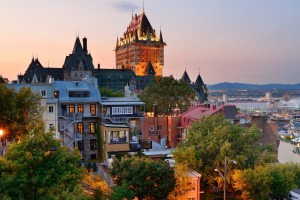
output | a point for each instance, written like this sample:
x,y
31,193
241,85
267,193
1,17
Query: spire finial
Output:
x,y
143,7
131,13
199,70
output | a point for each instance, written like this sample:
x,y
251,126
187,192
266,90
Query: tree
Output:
x,y
38,167
147,178
211,139
105,92
263,182
183,183
20,112
3,80
168,93
96,182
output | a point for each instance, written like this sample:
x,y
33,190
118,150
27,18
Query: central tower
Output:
x,y
140,45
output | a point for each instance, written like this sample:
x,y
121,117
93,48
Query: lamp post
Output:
x,y
225,173
1,133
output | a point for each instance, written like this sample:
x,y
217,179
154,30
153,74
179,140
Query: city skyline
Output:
x,y
247,41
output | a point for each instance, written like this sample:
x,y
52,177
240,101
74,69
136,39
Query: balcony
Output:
x,y
140,145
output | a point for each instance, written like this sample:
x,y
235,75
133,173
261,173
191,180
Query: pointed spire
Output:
x,y
185,77
161,37
117,43
149,69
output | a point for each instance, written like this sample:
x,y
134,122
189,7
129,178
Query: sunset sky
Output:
x,y
249,41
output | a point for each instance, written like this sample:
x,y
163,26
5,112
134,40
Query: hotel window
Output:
x,y
93,144
71,108
80,108
93,127
79,127
50,109
93,109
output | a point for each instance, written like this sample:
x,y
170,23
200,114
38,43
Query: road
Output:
x,y
286,154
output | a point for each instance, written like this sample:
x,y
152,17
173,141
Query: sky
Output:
x,y
247,41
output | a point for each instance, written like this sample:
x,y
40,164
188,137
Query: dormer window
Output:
x,y
56,94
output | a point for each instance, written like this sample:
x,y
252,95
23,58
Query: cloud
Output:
x,y
125,6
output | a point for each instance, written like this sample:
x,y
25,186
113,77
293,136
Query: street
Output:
x,y
286,154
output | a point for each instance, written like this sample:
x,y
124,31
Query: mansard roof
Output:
x,y
36,70
89,84
141,24
185,77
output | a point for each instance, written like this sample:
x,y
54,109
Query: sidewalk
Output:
x,y
286,154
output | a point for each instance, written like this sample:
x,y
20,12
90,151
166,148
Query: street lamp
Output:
x,y
1,133
224,176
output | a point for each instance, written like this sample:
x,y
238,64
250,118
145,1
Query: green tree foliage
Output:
x,y
148,179
105,92
167,93
3,80
20,112
263,182
38,167
211,139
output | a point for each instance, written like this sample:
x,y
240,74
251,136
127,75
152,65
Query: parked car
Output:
x,y
295,140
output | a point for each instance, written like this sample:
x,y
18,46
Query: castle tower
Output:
x,y
139,45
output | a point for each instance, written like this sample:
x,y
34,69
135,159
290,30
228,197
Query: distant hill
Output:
x,y
244,86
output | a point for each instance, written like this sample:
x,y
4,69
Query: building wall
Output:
x,y
163,127
135,56
113,147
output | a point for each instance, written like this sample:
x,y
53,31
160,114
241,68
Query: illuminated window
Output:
x,y
71,108
80,108
93,109
56,94
79,127
92,127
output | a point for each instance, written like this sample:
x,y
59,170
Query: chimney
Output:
x,y
98,66
155,109
84,44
